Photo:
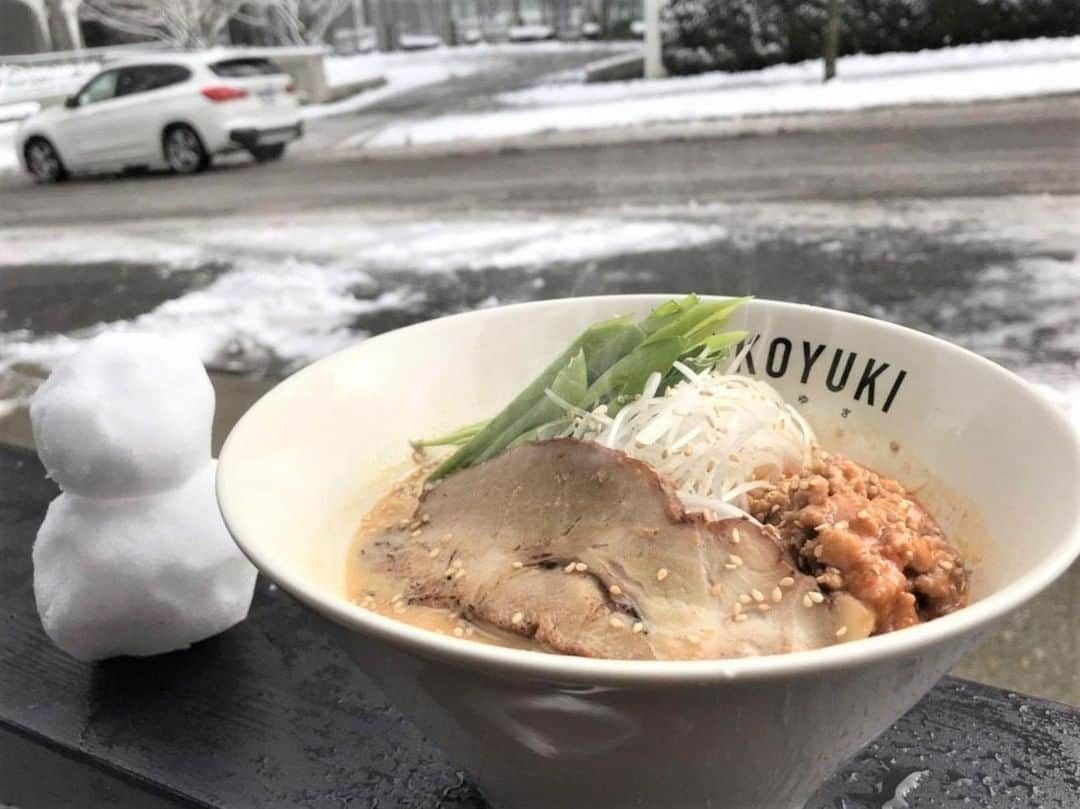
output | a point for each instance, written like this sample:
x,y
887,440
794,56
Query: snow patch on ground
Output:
x,y
9,160
408,70
299,304
25,82
850,68
995,71
403,71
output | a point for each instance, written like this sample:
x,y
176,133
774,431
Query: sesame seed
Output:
x,y
638,627
842,525
581,567
717,589
815,596
518,565
863,514
433,552
615,622
841,632
757,595
459,632
397,597
403,524
744,598
425,518
764,607
460,573
400,606
694,639
661,574
737,608
569,568
615,590
787,581
945,564
777,594
730,566
807,601
742,616
821,527
735,560
416,533
458,563
735,536
517,618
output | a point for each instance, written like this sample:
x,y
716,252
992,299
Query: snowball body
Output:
x,y
140,575
129,414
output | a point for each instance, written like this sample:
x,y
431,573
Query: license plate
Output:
x,y
266,96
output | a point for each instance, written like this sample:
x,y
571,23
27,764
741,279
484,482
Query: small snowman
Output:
x,y
133,557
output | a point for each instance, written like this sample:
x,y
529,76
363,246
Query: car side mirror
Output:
x,y
71,102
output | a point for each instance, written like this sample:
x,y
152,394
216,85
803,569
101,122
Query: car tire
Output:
x,y
268,152
184,150
44,161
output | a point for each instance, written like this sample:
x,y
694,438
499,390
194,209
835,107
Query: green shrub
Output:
x,y
750,34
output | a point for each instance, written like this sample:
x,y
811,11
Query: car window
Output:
x,y
98,89
240,68
142,78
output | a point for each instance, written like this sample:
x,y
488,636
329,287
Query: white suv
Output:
x,y
174,111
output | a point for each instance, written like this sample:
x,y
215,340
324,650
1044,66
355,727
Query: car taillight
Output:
x,y
222,93
290,88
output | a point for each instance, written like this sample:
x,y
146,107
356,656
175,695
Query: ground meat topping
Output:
x,y
863,533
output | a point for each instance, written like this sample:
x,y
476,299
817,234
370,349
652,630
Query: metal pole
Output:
x,y
654,60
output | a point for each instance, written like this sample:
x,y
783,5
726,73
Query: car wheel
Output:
x,y
271,151
184,150
44,161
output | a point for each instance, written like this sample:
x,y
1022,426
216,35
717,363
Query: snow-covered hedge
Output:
x,y
751,34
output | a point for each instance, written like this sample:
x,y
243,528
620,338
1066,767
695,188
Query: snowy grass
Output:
x,y
994,71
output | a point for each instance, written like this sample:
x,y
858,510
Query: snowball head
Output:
x,y
128,414
139,576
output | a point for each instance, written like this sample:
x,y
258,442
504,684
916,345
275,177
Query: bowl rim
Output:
x,y
535,664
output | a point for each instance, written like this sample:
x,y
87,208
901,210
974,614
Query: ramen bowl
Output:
x,y
997,465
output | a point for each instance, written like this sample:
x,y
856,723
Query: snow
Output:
x,y
291,289
407,71
994,71
133,557
141,575
403,71
127,415
30,82
9,160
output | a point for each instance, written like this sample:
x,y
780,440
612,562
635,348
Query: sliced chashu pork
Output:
x,y
588,552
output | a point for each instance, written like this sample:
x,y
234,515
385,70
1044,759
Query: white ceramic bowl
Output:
x,y
540,731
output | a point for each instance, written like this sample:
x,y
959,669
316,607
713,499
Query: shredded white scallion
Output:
x,y
714,436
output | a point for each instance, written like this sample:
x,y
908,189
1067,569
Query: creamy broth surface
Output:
x,y
379,593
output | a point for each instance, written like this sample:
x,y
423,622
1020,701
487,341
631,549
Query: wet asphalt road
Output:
x,y
932,152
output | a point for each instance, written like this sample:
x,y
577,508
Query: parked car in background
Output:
x,y
174,111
